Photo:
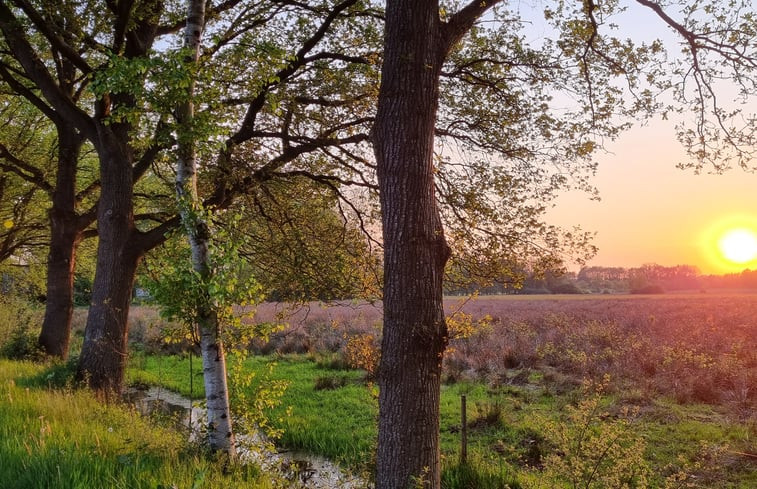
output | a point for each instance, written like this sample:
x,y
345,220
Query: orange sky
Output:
x,y
652,212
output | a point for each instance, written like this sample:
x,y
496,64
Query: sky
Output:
x,y
652,212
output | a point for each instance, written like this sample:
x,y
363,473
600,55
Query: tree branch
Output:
x,y
56,41
22,50
461,22
24,170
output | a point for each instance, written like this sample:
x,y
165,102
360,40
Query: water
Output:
x,y
304,470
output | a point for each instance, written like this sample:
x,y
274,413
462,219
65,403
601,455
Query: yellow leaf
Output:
x,y
8,224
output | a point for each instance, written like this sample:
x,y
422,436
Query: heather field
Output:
x,y
690,347
561,389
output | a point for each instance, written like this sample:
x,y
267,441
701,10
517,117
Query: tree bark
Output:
x,y
416,44
103,357
220,433
66,229
121,246
415,250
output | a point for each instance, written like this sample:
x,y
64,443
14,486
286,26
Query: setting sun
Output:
x,y
729,245
738,245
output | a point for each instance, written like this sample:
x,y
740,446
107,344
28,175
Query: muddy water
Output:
x,y
303,470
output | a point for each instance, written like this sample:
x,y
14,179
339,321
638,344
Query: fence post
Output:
x,y
463,431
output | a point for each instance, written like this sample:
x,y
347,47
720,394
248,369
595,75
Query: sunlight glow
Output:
x,y
729,245
738,245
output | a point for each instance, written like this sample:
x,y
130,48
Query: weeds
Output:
x,y
20,322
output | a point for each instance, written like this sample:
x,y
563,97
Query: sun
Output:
x,y
738,245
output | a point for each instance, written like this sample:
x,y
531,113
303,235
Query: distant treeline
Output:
x,y
646,279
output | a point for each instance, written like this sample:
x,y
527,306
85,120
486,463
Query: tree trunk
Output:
x,y
103,357
415,251
220,433
61,261
65,233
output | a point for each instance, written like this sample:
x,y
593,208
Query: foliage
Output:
x,y
592,451
363,352
253,396
181,290
26,141
82,290
19,328
302,245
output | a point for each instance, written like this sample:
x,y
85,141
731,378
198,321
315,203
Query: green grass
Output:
x,y
337,423
64,438
506,425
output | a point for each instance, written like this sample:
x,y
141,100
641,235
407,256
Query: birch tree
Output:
x,y
219,424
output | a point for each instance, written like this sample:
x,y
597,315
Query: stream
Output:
x,y
304,470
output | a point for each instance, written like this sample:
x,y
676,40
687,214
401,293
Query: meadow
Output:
x,y
670,378
562,391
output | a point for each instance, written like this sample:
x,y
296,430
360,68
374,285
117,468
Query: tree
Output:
x,y
28,155
302,245
416,45
23,147
581,66
73,36
128,96
220,433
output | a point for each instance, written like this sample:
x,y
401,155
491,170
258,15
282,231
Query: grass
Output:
x,y
508,438
686,362
337,423
64,438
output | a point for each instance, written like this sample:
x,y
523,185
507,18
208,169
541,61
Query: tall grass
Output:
x,y
67,439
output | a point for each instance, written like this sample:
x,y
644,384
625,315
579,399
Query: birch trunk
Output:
x,y
220,433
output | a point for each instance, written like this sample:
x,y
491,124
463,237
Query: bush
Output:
x,y
648,289
19,328
82,290
362,352
593,450
330,382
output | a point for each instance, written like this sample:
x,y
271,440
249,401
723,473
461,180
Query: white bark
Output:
x,y
220,433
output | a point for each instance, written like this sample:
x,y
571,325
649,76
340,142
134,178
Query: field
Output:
x,y
584,391
562,391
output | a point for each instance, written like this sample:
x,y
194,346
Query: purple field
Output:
x,y
689,347
694,348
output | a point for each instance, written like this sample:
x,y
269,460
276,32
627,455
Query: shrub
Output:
x,y
363,352
19,328
594,451
330,382
648,289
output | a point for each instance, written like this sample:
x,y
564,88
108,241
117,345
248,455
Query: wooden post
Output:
x,y
463,431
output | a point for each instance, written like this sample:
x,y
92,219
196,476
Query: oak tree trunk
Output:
x,y
66,229
415,251
103,357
